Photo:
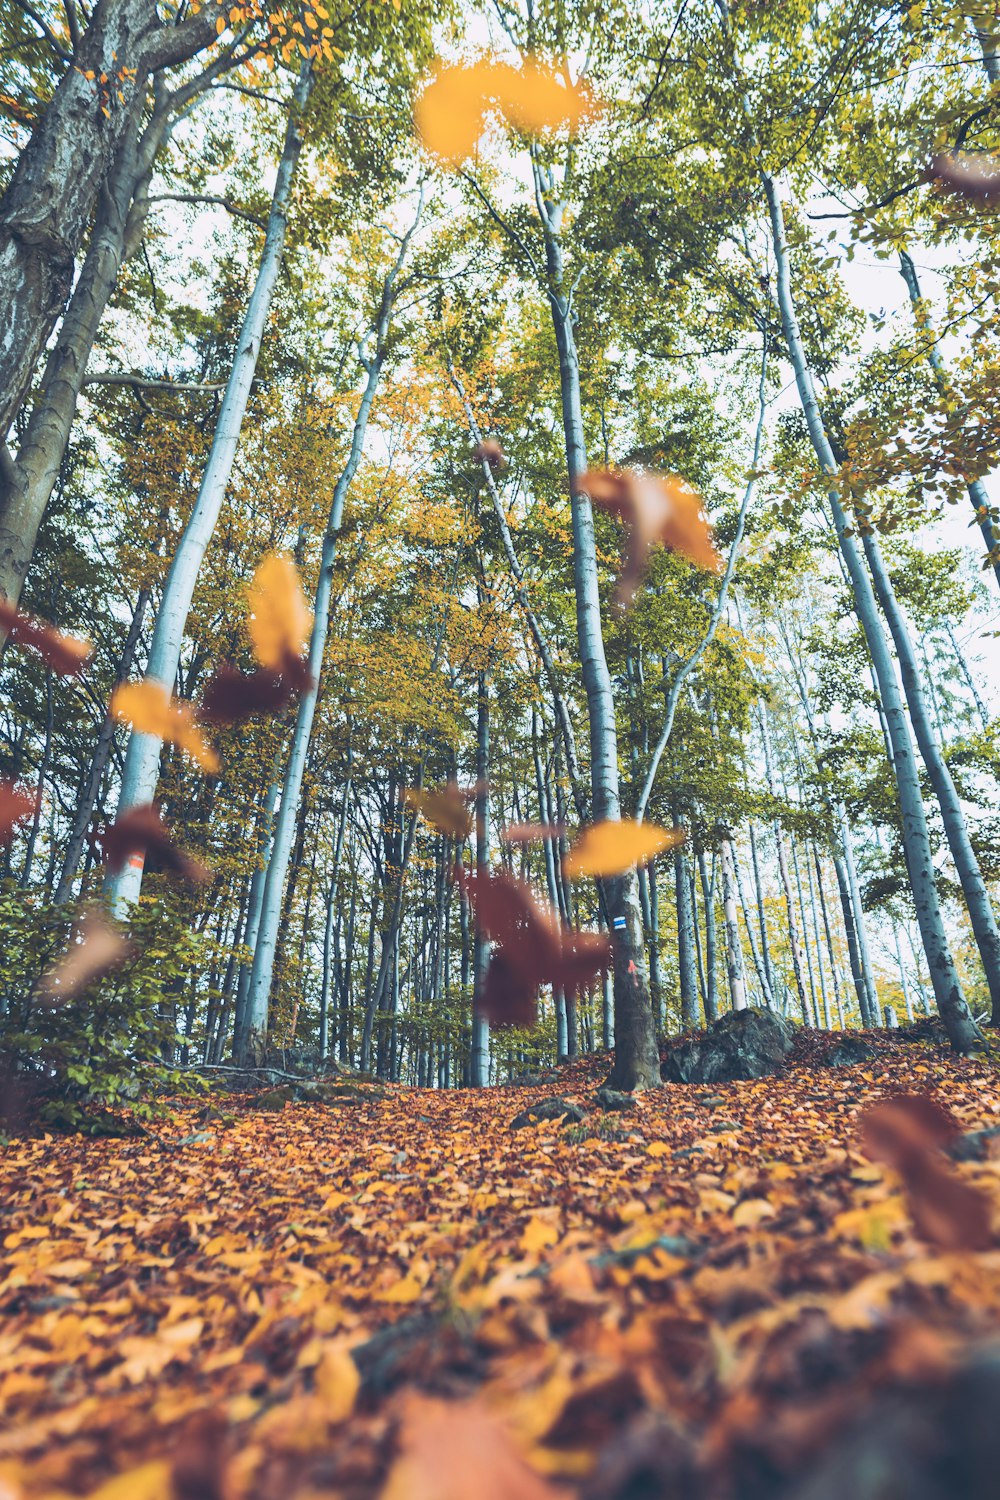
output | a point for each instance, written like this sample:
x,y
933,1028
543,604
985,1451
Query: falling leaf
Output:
x,y
65,654
655,509
459,1451
612,847
908,1131
148,707
142,829
529,833
447,810
15,805
232,696
489,452
279,620
533,947
973,175
96,948
451,112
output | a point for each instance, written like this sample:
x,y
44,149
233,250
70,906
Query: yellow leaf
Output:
x,y
334,1200
451,111
658,1148
538,1235
613,847
751,1212
446,810
337,1381
148,707
279,620
407,1289
152,1481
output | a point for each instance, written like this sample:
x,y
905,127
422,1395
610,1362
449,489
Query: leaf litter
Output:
x,y
354,1297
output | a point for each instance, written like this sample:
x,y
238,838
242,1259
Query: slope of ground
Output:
x,y
701,1296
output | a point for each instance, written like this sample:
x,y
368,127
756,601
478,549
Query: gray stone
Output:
x,y
742,1045
612,1101
976,1145
549,1109
848,1050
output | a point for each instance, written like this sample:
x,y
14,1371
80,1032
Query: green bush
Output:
x,y
72,1065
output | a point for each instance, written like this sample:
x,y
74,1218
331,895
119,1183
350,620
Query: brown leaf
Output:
x,y
15,804
656,509
489,452
908,1131
140,830
973,175
446,810
96,948
533,947
529,833
232,696
65,654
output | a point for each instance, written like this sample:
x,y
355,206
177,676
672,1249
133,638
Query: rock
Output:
x,y
976,1145
273,1100
549,1109
199,1138
742,1045
848,1050
927,1029
525,1081
720,1127
710,1101
612,1101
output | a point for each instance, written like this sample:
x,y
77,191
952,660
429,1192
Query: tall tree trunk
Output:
x,y
734,950
944,976
711,937
977,897
978,497
143,754
481,954
686,961
87,801
254,902
763,976
637,1063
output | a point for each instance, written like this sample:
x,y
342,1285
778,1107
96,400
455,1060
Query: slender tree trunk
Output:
x,y
763,977
711,937
43,771
758,885
686,962
637,1062
947,987
977,898
143,754
967,677
87,803
254,902
978,497
481,953
734,951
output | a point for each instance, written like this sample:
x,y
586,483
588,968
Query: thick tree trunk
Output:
x,y
49,200
142,756
944,976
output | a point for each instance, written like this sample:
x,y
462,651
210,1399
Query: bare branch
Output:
x,y
143,383
211,198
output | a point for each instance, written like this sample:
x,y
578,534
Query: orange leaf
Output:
x,y
459,1452
452,110
14,805
280,620
148,707
65,654
612,847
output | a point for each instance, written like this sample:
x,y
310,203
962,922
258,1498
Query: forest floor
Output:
x,y
399,1294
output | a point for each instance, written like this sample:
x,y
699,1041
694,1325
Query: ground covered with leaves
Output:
x,y
396,1293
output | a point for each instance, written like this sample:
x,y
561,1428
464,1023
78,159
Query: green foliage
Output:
x,y
77,1064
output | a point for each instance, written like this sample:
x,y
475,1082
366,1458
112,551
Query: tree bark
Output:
x,y
49,200
734,951
481,952
142,757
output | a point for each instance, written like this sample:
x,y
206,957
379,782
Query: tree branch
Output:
x,y
143,383
211,198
